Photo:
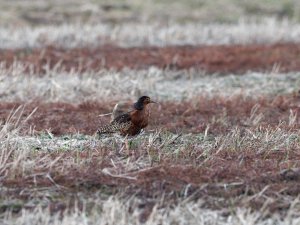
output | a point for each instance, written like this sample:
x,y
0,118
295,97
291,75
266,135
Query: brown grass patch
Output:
x,y
213,59
224,179
220,113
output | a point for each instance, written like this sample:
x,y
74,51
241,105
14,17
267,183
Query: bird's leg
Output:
x,y
120,149
127,145
118,146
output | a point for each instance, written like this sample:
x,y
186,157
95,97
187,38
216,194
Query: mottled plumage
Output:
x,y
130,123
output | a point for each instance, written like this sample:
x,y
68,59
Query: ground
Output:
x,y
222,146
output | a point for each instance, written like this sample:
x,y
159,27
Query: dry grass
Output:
x,y
41,12
78,178
150,34
76,87
219,149
116,211
239,164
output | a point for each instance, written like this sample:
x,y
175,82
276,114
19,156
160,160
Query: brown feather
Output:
x,y
131,123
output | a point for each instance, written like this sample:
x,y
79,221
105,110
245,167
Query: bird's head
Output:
x,y
142,102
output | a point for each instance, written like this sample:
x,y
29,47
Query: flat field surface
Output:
x,y
222,146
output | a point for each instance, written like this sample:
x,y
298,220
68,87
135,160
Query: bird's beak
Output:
x,y
152,102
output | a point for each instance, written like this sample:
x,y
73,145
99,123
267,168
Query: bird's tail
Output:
x,y
109,128
113,127
118,110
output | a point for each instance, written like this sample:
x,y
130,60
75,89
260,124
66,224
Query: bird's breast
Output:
x,y
140,118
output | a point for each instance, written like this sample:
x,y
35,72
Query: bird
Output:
x,y
130,123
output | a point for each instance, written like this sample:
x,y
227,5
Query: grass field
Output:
x,y
153,33
42,12
223,144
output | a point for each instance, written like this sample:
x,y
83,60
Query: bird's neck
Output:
x,y
139,106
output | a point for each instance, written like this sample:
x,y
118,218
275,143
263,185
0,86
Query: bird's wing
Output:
x,y
124,118
121,122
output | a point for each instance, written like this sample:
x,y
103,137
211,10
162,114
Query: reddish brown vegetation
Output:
x,y
221,59
221,113
220,180
245,173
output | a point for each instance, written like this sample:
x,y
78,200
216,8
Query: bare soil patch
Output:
x,y
222,114
213,59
